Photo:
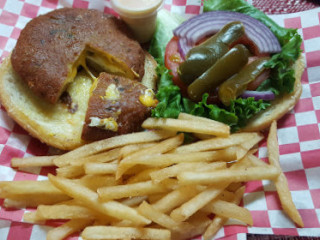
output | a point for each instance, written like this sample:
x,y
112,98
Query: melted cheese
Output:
x,y
105,123
112,93
100,62
108,63
148,98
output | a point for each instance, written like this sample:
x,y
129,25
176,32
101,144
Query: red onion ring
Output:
x,y
196,28
264,95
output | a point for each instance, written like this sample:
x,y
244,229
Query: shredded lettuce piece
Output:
x,y
171,102
214,112
166,23
245,109
282,72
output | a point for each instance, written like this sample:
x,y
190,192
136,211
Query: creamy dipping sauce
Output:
x,y
139,5
140,16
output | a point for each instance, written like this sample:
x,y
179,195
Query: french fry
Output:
x,y
233,187
63,211
161,147
226,195
199,201
165,186
23,201
68,228
183,125
134,201
252,142
72,171
100,168
102,157
106,232
110,143
130,149
242,163
160,218
170,184
254,161
123,223
85,195
142,176
218,221
175,198
16,188
199,220
32,217
229,175
155,197
244,147
214,227
174,170
281,182
168,159
130,190
216,143
202,136
96,181
43,161
186,116
229,210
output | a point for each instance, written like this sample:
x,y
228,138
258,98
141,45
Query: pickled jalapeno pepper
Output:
x,y
200,61
203,56
237,84
224,68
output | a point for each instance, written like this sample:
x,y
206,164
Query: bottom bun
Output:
x,y
52,124
281,105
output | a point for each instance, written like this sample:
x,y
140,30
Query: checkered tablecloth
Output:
x,y
299,134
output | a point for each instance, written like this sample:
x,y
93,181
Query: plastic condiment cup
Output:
x,y
139,15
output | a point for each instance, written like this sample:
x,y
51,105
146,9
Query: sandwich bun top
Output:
x,y
48,83
52,46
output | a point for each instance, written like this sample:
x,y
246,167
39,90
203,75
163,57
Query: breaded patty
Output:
x,y
52,46
114,108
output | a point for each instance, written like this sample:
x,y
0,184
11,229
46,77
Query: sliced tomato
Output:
x,y
172,62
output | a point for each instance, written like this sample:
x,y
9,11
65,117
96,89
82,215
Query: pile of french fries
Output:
x,y
150,185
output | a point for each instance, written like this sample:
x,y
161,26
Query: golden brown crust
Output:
x,y
50,44
127,111
280,106
52,124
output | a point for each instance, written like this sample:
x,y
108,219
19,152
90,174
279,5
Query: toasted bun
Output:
x,y
281,105
51,123
52,46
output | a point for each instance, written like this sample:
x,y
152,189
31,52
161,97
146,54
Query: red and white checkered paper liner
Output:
x,y
299,135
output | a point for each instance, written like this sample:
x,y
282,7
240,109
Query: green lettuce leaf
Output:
x,y
166,22
282,72
214,112
171,102
245,109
